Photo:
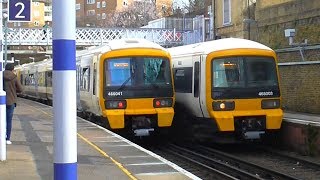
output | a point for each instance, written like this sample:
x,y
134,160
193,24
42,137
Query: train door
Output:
x,y
95,99
78,75
36,85
197,85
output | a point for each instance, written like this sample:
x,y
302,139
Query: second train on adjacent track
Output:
x,y
228,86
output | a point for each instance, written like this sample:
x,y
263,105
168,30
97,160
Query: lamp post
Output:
x,y
250,21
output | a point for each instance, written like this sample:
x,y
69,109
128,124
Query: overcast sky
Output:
x,y
181,3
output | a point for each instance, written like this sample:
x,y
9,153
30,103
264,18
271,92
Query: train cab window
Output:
x,y
240,72
156,70
141,72
85,79
228,73
262,72
119,71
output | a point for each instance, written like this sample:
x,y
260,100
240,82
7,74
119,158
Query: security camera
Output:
x,y
289,32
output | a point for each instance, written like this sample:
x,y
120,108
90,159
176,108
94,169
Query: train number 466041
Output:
x,y
114,93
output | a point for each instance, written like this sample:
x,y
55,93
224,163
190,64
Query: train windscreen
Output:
x,y
138,77
244,77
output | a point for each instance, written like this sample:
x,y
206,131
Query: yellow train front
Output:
x,y
136,87
229,84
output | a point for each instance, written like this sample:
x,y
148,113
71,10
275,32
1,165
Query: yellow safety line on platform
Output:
x,y
106,155
99,150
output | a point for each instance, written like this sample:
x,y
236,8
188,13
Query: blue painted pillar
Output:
x,y
3,120
64,89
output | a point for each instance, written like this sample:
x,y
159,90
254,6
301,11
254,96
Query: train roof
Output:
x,y
217,45
121,44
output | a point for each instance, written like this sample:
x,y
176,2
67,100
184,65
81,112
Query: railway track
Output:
x,y
208,164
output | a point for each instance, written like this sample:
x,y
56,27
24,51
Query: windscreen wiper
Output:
x,y
127,80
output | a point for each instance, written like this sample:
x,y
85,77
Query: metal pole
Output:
x,y
5,41
3,121
64,90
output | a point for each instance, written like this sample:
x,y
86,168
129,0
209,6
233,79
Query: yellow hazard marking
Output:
x,y
99,150
106,155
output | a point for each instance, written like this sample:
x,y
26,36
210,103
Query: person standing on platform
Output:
x,y
12,86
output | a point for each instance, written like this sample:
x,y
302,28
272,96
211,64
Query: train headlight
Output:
x,y
158,103
270,104
115,104
223,105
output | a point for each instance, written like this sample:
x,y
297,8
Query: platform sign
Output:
x,y
19,10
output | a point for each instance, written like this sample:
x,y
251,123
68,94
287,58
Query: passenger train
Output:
x,y
230,86
128,82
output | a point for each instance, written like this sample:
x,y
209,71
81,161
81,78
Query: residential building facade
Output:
x,y
229,17
41,14
92,13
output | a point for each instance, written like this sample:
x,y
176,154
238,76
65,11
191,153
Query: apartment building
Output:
x,y
230,18
41,14
91,13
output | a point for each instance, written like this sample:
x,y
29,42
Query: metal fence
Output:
x,y
99,36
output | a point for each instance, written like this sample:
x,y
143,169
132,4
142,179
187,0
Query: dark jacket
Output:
x,y
12,87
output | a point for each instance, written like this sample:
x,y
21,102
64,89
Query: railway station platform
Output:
x,y
101,153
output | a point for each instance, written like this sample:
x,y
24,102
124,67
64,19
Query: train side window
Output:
x,y
196,79
30,79
49,79
85,79
94,78
183,79
41,79
21,79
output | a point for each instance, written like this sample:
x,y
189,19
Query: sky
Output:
x,y
181,3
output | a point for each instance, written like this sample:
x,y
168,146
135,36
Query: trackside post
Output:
x,y
3,122
64,89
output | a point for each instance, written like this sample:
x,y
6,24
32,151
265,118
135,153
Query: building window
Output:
x,y
78,7
98,16
36,14
90,1
226,12
98,5
36,23
104,4
103,16
15,24
36,3
91,12
125,3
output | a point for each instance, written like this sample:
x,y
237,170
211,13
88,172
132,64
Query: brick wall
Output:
x,y
273,17
300,83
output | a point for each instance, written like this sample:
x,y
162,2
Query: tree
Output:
x,y
191,8
136,15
